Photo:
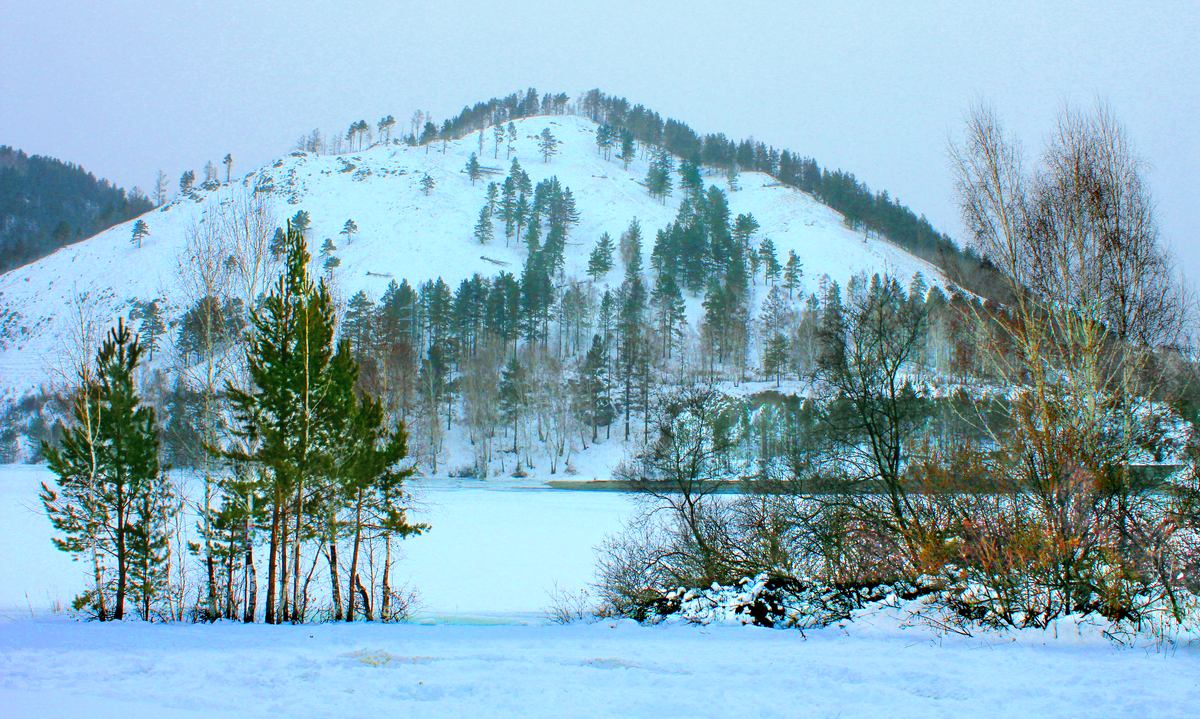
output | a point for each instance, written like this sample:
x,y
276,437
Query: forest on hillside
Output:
x,y
46,204
624,123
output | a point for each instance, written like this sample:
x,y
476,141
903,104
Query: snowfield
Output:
x,y
52,668
482,648
404,234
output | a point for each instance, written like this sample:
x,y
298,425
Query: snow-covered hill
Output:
x,y
402,233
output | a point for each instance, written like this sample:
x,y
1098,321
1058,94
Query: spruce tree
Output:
x,y
427,184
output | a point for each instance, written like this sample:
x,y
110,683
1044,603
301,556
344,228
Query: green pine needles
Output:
x,y
110,499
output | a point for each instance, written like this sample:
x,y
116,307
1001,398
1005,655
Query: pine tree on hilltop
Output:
x,y
187,183
228,162
107,467
547,145
140,232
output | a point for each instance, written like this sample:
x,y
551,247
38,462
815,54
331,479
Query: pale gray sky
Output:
x,y
126,89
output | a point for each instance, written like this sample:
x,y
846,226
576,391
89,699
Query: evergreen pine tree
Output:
x,y
483,228
792,273
187,182
140,232
492,194
358,325
298,404
348,230
107,467
547,145
595,407
600,262
770,263
514,396
627,150
474,171
152,328
427,184
775,357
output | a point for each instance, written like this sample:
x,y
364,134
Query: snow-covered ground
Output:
x,y
484,572
52,668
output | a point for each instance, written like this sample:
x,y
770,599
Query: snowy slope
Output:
x,y
402,233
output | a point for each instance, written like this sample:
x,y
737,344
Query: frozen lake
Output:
x,y
495,548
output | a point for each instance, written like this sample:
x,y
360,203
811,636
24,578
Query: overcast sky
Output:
x,y
128,88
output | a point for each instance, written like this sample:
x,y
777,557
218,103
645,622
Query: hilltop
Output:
x,y
404,234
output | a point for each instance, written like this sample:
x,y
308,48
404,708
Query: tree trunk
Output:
x,y
212,613
284,614
119,610
252,599
366,598
97,574
274,553
335,582
230,600
385,604
296,608
354,560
